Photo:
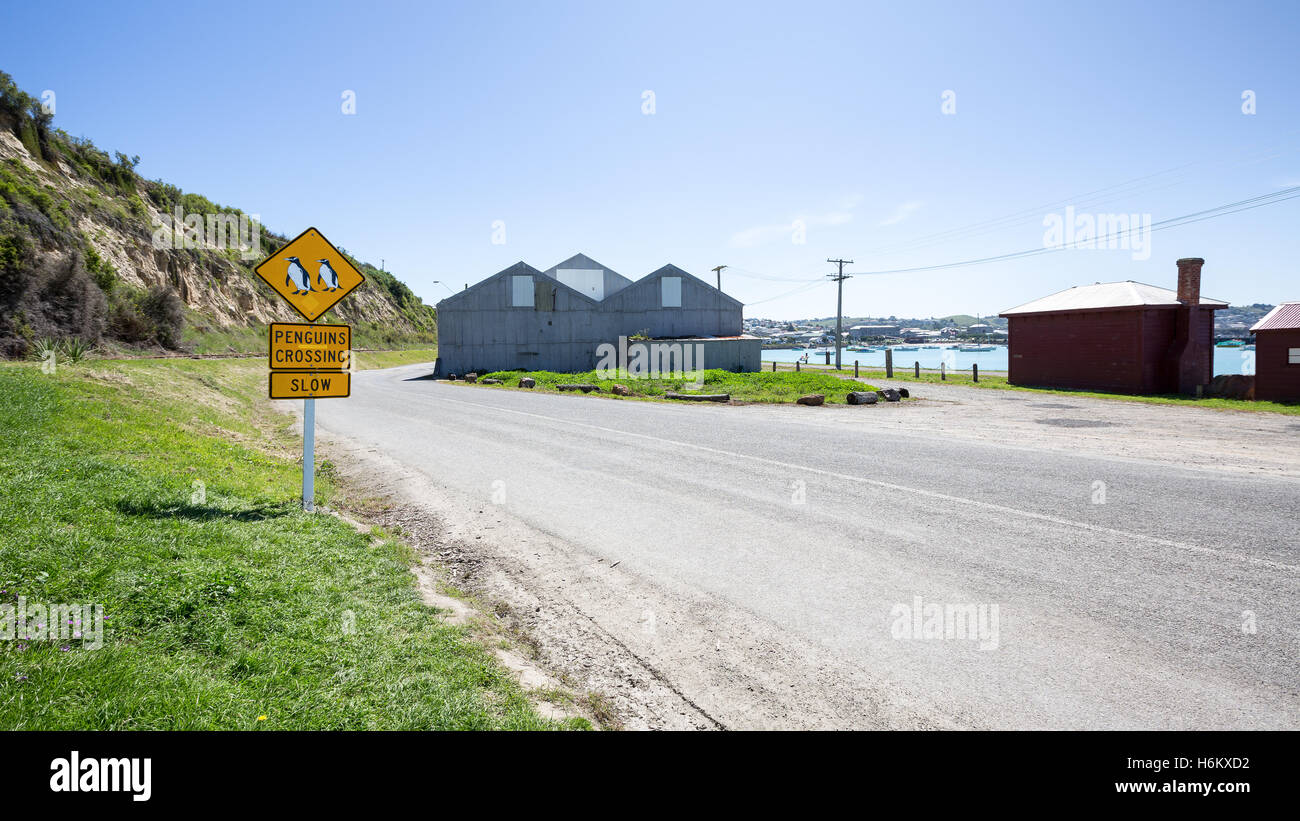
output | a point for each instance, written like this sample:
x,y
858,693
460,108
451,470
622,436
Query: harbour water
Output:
x,y
1226,360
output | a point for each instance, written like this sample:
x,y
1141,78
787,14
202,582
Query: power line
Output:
x,y
1224,210
1019,217
1173,222
806,287
1143,184
744,272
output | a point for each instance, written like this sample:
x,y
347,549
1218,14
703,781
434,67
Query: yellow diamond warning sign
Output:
x,y
310,274
304,385
297,346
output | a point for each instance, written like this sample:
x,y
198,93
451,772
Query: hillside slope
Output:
x,y
86,251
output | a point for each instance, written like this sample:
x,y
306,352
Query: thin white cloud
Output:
x,y
763,234
902,212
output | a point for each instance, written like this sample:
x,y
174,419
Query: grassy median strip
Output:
x,y
785,386
166,491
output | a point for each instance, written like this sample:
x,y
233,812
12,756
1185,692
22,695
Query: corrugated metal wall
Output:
x,y
479,330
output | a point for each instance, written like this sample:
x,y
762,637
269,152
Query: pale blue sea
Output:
x,y
1226,360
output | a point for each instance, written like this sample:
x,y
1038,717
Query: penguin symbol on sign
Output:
x,y
297,277
326,276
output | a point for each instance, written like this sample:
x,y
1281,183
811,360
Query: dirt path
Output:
x,y
1257,443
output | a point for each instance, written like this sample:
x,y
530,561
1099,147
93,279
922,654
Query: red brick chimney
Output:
x,y
1189,280
1191,347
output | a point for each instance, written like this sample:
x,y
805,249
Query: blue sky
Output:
x,y
533,115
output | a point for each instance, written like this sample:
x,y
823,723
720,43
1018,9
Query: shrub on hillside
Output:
x,y
101,270
126,322
61,300
164,310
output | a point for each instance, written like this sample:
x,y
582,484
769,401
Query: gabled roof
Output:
x,y
1284,317
585,262
671,270
518,269
1128,294
613,280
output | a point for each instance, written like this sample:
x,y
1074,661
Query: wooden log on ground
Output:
x,y
698,397
862,398
584,388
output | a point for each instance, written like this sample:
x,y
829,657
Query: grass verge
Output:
x,y
785,386
367,360
166,491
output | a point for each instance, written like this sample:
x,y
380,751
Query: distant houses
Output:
x,y
861,332
555,320
1117,336
1277,354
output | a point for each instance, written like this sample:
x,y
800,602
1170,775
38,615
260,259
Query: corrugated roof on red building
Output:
x,y
1106,295
1284,317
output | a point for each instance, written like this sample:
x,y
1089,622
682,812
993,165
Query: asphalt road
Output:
x,y
1169,603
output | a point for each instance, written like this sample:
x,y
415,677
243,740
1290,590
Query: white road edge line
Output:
x,y
930,494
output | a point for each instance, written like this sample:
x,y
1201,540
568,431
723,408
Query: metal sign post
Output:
x,y
326,350
309,455
309,361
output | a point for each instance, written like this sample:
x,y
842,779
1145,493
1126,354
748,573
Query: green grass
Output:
x,y
220,607
999,382
783,386
365,335
391,359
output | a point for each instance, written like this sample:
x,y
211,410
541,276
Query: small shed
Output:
x,y
1277,354
1116,336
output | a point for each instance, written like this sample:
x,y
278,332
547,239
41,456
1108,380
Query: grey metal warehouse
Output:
x,y
554,320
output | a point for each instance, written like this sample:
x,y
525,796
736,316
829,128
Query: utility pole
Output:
x,y
839,304
718,270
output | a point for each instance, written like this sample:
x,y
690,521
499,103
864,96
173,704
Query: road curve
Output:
x,y
1169,601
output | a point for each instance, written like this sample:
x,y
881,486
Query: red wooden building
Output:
x,y
1277,354
1117,336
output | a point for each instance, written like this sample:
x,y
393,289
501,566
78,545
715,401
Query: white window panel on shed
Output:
x,y
1293,356
670,292
521,292
587,281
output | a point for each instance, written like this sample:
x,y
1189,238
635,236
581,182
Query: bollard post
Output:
x,y
855,369
943,371
828,357
918,369
889,363
796,366
773,366
975,372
